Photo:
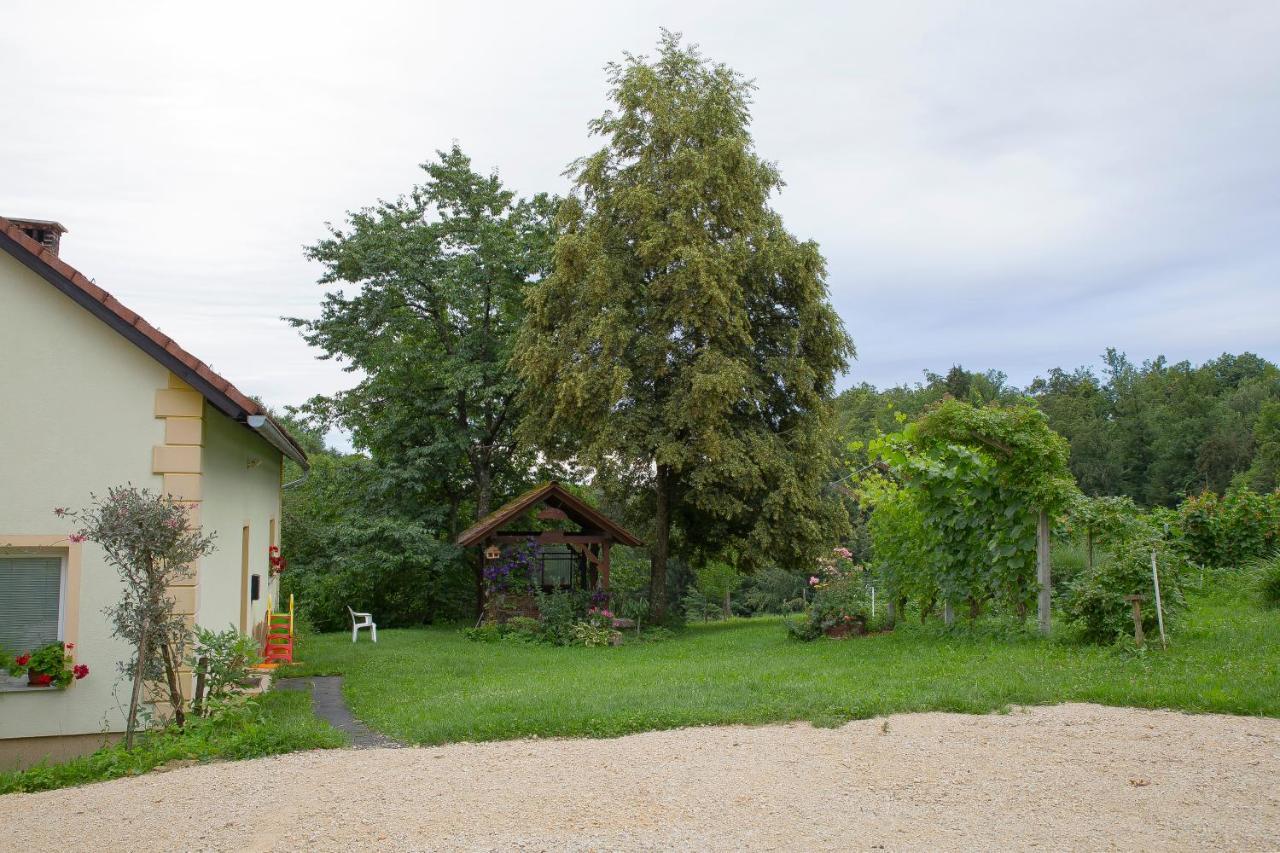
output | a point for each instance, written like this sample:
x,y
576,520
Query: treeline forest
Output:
x,y
1154,432
659,340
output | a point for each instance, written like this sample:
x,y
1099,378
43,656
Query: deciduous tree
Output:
x,y
431,290
684,341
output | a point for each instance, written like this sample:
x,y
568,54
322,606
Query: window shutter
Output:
x,y
30,593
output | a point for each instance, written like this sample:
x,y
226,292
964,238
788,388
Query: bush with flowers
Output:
x,y
52,665
841,604
509,582
596,629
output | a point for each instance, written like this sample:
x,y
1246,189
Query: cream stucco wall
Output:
x,y
78,413
241,489
76,416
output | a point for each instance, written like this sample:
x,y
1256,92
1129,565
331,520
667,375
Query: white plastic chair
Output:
x,y
362,620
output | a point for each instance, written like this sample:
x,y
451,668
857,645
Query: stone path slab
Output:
x,y
330,706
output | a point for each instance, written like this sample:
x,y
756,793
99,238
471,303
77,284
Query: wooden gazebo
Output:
x,y
568,558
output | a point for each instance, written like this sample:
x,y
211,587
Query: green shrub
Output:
x,y
803,629
776,590
225,657
1095,600
559,612
483,633
592,633
522,628
1268,574
841,599
1230,530
698,608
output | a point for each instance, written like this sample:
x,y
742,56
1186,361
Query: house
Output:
x,y
93,396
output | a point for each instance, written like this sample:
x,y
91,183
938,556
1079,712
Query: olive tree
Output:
x,y
146,537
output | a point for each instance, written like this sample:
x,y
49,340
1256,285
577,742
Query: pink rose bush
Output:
x,y
841,601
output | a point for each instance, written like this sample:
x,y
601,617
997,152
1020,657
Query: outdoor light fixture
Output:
x,y
493,552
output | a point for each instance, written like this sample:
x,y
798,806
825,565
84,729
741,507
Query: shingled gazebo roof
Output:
x,y
555,495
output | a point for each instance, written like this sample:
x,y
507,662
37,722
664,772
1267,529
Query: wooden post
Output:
x,y
202,668
948,615
1155,579
1043,569
604,564
1136,600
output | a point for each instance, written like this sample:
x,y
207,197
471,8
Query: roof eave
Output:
x,y
266,427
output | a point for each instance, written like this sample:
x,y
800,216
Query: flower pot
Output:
x,y
39,679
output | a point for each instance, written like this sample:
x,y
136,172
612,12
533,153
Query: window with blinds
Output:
x,y
30,602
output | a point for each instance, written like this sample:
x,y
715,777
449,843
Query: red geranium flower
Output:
x,y
71,645
80,671
21,660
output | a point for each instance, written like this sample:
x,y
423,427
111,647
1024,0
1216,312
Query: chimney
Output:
x,y
43,231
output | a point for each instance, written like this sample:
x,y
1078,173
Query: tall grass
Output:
x,y
1266,571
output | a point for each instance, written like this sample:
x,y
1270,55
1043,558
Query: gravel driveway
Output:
x,y
1070,776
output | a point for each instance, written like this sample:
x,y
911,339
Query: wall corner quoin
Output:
x,y
180,463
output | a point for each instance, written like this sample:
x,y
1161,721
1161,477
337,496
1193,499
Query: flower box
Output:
x,y
12,682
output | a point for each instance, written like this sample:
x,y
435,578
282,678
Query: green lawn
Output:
x,y
433,686
266,725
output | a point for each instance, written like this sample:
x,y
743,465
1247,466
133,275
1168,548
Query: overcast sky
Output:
x,y
1002,185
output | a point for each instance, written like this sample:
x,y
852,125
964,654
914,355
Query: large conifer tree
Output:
x,y
684,340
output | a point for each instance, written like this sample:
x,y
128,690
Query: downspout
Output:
x,y
306,472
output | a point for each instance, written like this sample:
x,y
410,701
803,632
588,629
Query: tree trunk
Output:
x,y
1088,544
661,546
139,671
484,496
175,689
728,608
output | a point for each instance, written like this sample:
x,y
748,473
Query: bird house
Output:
x,y
493,552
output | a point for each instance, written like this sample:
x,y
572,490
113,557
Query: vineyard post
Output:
x,y
1155,578
1043,569
1136,601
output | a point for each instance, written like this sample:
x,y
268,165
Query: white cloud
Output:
x,y
1011,185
